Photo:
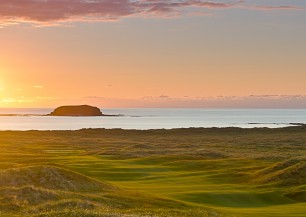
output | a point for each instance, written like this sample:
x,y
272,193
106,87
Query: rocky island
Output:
x,y
78,110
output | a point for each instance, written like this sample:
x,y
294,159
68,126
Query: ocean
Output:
x,y
143,119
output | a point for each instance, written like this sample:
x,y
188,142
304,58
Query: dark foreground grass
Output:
x,y
180,172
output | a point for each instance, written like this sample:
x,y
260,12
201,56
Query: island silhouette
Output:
x,y
77,110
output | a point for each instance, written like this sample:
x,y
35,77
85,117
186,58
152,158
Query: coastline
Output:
x,y
143,119
246,127
290,126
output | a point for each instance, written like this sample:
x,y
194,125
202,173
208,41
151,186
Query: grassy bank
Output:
x,y
179,172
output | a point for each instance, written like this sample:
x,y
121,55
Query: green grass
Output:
x,y
180,172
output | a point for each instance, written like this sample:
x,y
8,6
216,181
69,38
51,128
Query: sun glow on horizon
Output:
x,y
148,58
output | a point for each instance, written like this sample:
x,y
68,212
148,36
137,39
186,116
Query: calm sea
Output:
x,y
152,119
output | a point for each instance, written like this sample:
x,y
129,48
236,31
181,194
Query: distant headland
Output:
x,y
77,110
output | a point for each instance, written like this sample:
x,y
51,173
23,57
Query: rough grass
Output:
x,y
180,172
289,173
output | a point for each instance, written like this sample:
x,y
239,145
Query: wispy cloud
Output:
x,y
281,7
24,100
50,12
164,101
10,100
251,101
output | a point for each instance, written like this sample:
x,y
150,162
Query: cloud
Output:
x,y
282,7
250,101
164,97
50,12
94,97
11,100
24,100
268,96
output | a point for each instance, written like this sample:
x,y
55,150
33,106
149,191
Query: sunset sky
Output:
x,y
153,53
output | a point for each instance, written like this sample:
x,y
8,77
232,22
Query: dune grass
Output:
x,y
179,172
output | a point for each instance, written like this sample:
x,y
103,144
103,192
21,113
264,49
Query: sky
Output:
x,y
153,53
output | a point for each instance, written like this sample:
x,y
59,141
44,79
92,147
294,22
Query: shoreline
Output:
x,y
137,120
290,126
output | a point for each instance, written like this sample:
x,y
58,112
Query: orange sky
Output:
x,y
236,51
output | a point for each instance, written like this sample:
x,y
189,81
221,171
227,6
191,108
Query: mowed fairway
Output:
x,y
180,172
